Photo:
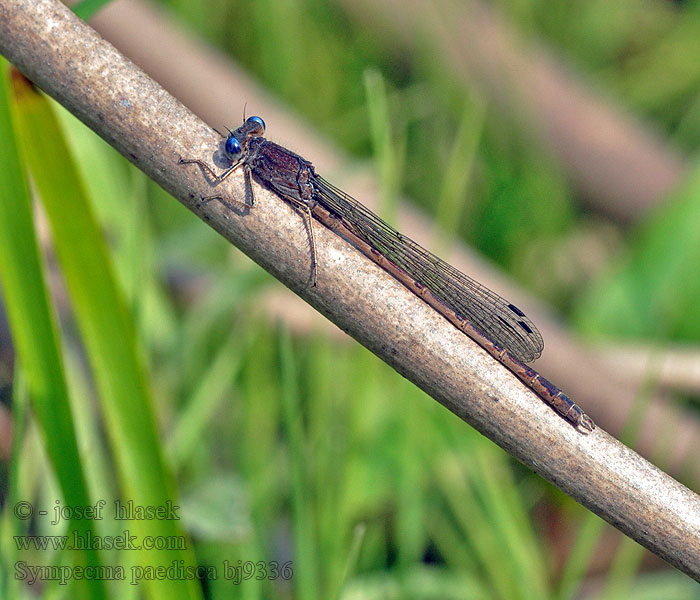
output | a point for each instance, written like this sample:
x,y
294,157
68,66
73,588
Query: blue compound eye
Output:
x,y
233,147
255,125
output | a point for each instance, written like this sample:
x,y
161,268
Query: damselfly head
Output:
x,y
237,140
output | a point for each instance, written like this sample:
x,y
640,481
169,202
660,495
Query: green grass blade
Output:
x,y
458,172
86,9
206,399
358,536
306,559
660,266
33,328
389,149
109,337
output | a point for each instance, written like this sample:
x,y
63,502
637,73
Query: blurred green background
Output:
x,y
296,448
